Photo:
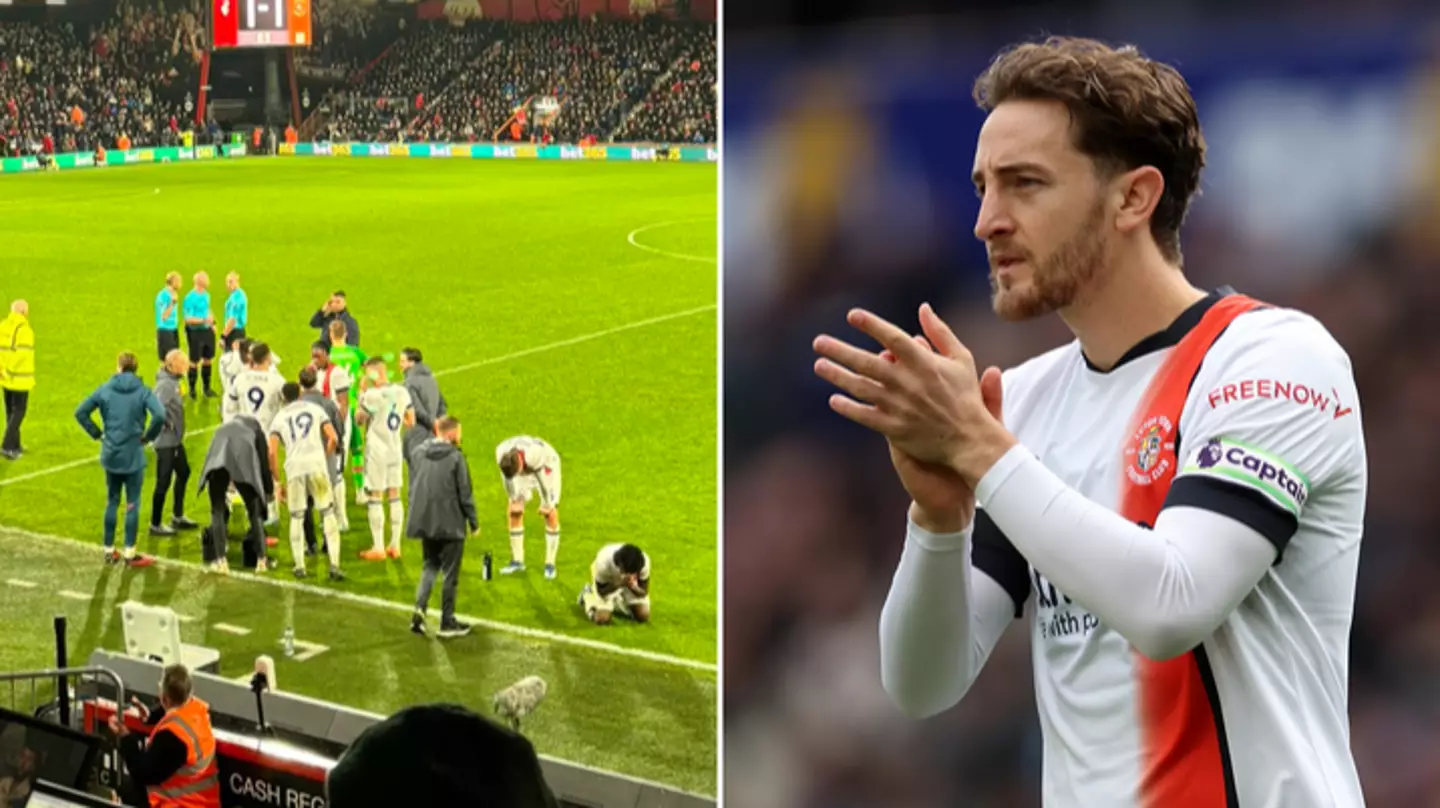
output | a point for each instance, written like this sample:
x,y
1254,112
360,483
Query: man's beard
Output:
x,y
1056,283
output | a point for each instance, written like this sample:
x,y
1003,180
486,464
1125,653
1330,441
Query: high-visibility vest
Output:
x,y
17,353
197,783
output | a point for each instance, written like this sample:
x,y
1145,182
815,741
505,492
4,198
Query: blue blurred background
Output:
x,y
848,151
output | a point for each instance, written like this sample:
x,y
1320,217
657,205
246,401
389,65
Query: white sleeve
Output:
x,y
940,622
1250,467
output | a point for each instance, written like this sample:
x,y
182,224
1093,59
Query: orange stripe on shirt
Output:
x,y
1183,765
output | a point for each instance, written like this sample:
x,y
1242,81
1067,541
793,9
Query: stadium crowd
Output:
x,y
443,84
71,86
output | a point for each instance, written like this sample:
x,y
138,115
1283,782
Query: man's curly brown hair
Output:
x,y
1126,111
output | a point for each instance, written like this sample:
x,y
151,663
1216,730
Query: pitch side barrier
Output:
x,y
614,153
286,765
123,157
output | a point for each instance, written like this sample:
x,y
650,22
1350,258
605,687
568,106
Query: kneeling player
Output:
x,y
620,583
385,409
308,436
529,466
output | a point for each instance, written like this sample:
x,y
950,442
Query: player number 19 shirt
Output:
x,y
301,429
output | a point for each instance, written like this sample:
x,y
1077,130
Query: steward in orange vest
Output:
x,y
176,764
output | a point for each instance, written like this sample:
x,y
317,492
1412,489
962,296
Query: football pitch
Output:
x,y
574,301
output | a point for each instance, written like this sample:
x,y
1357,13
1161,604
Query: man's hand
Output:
x,y
117,726
279,492
929,404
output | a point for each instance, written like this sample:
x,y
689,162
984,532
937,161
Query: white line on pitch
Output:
x,y
577,340
668,254
70,594
380,603
309,651
565,343
229,629
21,584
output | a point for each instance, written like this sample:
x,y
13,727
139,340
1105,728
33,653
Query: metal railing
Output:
x,y
63,695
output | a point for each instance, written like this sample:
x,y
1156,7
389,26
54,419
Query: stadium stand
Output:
x,y
373,75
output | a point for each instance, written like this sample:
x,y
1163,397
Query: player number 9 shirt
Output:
x,y
1269,434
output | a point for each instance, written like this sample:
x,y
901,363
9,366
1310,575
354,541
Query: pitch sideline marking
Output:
x,y
239,631
381,603
311,650
70,594
667,253
20,583
494,360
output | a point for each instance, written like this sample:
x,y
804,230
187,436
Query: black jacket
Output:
x,y
167,389
442,504
151,764
322,321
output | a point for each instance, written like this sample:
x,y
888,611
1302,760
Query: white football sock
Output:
x,y
377,524
517,546
397,521
297,538
332,538
552,546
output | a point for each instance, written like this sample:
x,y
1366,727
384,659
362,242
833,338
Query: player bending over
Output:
x,y
620,583
529,466
385,410
308,437
352,359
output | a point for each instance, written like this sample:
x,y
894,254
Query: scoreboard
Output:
x,y
261,23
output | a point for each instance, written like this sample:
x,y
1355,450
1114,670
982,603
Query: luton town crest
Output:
x,y
1151,453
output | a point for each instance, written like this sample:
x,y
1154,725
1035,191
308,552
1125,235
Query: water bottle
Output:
x,y
485,567
289,641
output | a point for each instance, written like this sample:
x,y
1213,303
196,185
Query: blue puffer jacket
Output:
x,y
123,403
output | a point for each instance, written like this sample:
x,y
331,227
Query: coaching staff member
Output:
x,y
442,513
167,316
175,764
238,455
336,309
17,373
124,403
237,311
430,403
171,462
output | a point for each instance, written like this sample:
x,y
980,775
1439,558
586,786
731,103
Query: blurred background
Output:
x,y
849,135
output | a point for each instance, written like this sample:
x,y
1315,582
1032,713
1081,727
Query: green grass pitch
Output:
x,y
543,311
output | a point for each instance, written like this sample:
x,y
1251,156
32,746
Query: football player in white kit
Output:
x,y
385,410
309,438
334,382
256,392
232,364
530,466
619,584
1182,488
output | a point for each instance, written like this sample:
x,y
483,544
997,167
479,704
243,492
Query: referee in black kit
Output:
x,y
167,317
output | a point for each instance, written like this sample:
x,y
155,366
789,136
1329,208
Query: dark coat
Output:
x,y
123,402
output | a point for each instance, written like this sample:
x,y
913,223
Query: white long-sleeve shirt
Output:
x,y
1245,584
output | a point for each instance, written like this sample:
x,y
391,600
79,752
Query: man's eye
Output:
x,y
1026,182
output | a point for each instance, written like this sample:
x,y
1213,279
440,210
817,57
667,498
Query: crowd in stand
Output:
x,y
67,87
440,84
133,79
682,108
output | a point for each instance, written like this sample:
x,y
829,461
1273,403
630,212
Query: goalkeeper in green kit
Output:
x,y
352,359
